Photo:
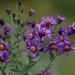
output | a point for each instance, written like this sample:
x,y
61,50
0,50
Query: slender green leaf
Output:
x,y
38,73
14,70
51,56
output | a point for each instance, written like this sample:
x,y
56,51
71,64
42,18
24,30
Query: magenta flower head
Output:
x,y
48,72
61,38
31,12
47,22
65,47
32,47
52,45
60,18
43,33
4,57
6,29
2,22
4,46
29,34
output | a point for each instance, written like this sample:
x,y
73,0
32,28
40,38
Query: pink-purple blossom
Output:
x,y
65,47
43,33
47,22
6,29
48,72
32,47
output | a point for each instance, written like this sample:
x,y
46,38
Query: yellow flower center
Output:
x,y
52,47
61,38
33,48
47,22
30,35
66,48
1,47
2,58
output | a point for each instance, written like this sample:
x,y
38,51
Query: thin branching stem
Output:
x,y
48,67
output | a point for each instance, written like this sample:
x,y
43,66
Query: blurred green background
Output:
x,y
63,65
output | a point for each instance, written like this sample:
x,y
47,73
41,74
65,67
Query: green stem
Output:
x,y
24,29
19,48
48,67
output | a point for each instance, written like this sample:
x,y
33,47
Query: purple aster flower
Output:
x,y
1,21
48,72
43,33
42,25
31,12
32,47
60,18
47,22
65,47
4,46
6,29
61,30
4,57
61,38
52,45
30,33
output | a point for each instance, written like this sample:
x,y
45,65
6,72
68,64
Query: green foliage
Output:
x,y
51,56
14,70
38,73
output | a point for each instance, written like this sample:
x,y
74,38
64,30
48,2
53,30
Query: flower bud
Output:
x,y
13,15
31,12
28,21
18,21
19,3
22,23
8,11
60,19
21,11
61,30
1,21
33,24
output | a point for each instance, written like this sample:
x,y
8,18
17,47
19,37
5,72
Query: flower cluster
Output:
x,y
60,42
43,37
4,46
